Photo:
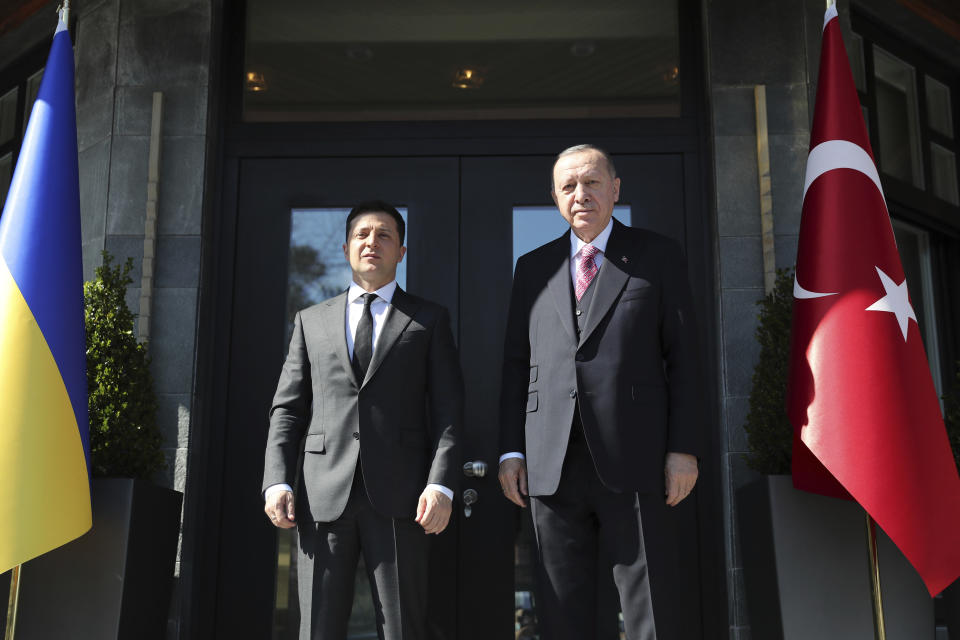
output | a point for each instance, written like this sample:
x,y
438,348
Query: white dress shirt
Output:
x,y
379,308
576,255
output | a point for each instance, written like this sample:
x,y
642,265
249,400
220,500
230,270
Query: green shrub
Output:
x,y
124,438
769,432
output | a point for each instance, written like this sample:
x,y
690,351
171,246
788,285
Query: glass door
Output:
x,y
468,219
506,211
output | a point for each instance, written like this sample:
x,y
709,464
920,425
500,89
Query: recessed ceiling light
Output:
x,y
359,52
468,79
582,49
256,81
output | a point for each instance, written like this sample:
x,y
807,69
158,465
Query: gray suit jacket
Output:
x,y
402,422
635,368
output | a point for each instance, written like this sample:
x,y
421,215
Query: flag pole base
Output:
x,y
12,603
879,628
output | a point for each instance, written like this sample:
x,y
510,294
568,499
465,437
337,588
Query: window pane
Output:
x,y
534,226
318,269
939,112
914,247
856,63
6,170
897,118
8,115
33,87
434,59
943,165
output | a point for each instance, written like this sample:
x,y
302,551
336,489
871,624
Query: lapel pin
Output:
x,y
625,259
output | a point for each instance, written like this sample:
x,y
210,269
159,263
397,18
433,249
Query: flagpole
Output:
x,y
12,602
879,628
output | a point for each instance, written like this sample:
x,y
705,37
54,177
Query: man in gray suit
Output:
x,y
366,421
599,411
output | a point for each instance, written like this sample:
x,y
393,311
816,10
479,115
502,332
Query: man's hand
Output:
x,y
681,473
279,508
513,480
433,510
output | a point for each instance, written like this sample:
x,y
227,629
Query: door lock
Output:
x,y
476,469
470,498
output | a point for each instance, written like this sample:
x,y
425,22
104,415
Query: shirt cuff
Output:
x,y
274,488
442,489
512,454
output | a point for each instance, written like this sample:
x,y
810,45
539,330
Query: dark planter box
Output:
x,y
806,569
114,581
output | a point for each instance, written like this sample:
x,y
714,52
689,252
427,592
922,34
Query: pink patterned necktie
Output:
x,y
587,268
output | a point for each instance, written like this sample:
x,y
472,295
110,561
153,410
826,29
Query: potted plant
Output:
x,y
804,556
115,581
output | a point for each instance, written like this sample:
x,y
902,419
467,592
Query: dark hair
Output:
x,y
376,206
586,147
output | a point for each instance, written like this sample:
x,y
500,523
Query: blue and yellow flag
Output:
x,y
44,431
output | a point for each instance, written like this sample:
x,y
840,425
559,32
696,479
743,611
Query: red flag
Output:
x,y
865,413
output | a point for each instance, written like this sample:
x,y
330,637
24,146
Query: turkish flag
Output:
x,y
866,416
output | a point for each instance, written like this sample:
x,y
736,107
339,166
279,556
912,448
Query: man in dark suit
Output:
x,y
599,410
366,420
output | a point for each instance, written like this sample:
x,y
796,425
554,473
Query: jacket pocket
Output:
x,y
532,403
314,443
533,373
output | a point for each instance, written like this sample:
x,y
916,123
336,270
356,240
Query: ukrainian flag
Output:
x,y
44,432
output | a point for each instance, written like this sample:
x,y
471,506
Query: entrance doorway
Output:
x,y
468,219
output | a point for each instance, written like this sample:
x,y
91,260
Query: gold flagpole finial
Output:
x,y
830,2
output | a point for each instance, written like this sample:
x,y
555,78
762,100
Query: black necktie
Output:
x,y
363,341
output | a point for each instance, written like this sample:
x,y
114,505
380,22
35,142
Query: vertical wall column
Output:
x,y
775,44
126,51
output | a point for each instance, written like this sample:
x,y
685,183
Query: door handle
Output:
x,y
470,498
476,469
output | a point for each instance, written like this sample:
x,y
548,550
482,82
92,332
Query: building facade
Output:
x,y
277,117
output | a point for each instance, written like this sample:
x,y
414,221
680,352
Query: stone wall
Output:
x,y
126,50
776,44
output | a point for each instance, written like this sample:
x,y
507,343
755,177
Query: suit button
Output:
x,y
573,393
580,357
356,435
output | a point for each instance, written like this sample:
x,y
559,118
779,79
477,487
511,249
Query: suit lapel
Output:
x,y
402,309
559,285
334,323
609,283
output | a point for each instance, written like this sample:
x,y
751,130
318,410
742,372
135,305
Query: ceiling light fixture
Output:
x,y
359,52
582,49
467,79
256,81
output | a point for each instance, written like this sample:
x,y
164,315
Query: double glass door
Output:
x,y
468,219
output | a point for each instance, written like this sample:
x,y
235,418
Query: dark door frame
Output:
x,y
234,140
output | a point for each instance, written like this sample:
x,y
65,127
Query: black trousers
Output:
x,y
584,523
396,553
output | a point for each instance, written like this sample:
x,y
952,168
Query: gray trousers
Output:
x,y
396,552
584,523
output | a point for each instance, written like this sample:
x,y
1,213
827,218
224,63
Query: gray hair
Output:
x,y
580,148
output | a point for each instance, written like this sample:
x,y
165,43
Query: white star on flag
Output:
x,y
897,302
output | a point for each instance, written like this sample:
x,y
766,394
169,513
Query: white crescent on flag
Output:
x,y
827,156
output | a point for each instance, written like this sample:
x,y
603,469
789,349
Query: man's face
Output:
x,y
373,249
585,192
